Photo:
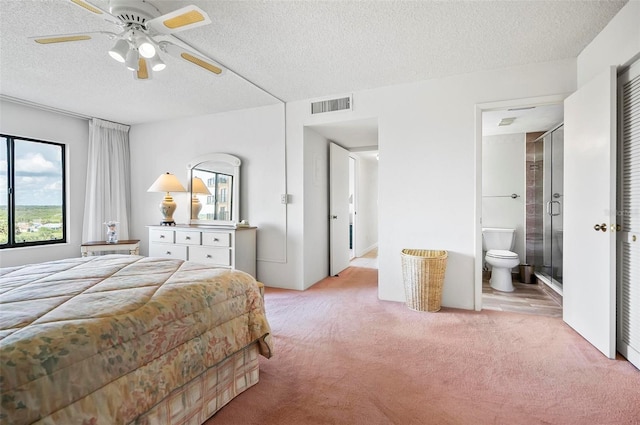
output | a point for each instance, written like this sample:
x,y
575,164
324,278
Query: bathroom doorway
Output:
x,y
512,135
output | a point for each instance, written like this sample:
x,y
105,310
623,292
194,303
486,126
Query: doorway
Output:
x,y
360,139
353,187
506,198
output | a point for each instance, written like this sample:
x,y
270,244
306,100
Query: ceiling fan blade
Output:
x,y
143,72
193,57
90,7
179,20
96,10
63,38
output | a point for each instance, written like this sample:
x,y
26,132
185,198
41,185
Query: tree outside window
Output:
x,y
32,192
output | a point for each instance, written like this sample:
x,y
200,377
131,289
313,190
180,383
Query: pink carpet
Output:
x,y
344,357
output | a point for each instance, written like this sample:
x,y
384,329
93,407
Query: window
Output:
x,y
32,192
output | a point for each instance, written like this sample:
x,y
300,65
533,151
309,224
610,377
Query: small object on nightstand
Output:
x,y
112,233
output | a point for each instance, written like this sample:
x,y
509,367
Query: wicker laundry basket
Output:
x,y
423,275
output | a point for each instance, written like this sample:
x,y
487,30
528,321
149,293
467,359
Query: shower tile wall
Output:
x,y
534,193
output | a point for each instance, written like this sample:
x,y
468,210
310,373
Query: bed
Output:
x,y
125,339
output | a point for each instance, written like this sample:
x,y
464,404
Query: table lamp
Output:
x,y
197,187
167,183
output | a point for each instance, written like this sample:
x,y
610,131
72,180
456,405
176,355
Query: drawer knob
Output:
x,y
168,252
208,255
188,238
216,240
161,236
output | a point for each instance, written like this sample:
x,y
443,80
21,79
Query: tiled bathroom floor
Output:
x,y
526,298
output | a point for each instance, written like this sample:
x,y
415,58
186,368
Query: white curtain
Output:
x,y
108,180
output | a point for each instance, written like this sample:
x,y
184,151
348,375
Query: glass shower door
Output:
x,y
553,201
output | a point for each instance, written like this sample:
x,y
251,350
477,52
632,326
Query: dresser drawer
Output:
x,y
168,251
164,236
214,256
187,238
216,239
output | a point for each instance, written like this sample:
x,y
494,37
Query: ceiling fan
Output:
x,y
143,33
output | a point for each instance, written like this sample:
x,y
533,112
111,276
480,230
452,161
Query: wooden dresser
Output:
x,y
233,248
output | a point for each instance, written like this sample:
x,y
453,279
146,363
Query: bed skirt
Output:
x,y
202,397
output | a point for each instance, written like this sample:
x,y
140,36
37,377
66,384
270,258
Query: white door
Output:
x,y
628,340
338,209
589,285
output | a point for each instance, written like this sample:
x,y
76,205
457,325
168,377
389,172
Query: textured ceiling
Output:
x,y
295,50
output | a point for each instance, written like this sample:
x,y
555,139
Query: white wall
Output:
x,y
503,173
427,167
366,237
21,120
256,136
315,257
617,44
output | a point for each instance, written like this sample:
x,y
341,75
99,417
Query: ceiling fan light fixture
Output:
x,y
137,44
120,50
145,46
147,50
132,60
156,63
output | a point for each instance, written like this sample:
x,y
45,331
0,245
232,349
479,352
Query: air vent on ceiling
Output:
x,y
330,105
506,121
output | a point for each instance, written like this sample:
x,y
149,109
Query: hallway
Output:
x,y
368,260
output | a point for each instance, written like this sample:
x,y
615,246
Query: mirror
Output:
x,y
214,182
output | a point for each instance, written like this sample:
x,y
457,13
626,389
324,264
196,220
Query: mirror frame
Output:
x,y
228,161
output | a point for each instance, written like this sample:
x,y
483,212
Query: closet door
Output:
x,y
589,290
628,341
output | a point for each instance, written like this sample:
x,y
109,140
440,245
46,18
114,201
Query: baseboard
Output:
x,y
364,251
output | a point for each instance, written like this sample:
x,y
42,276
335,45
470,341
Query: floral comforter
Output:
x,y
100,340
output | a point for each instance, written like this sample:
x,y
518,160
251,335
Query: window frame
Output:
x,y
11,225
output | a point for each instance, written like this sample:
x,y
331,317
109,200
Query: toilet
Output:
x,y
498,243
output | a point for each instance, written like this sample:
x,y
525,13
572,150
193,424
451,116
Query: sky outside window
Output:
x,y
38,173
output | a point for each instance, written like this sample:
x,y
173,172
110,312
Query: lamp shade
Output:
x,y
146,49
131,60
198,186
119,50
156,63
167,183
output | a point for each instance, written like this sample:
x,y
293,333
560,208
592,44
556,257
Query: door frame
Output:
x,y
353,184
479,109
